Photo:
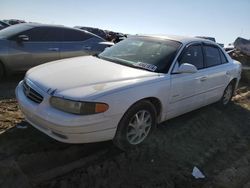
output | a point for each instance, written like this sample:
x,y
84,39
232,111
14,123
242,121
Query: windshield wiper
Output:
x,y
115,60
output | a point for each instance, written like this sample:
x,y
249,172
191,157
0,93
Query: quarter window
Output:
x,y
212,56
223,58
193,55
44,34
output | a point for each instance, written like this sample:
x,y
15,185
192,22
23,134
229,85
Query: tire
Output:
x,y
135,126
1,71
227,95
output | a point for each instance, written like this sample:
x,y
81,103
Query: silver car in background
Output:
x,y
27,45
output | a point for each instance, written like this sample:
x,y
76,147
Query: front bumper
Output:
x,y
65,127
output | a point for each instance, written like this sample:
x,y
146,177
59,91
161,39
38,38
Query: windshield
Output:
x,y
13,30
147,53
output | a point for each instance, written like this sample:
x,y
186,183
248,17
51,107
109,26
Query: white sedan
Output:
x,y
124,92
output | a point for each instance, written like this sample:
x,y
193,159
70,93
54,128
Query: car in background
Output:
x,y
126,90
3,25
115,37
26,45
111,36
208,38
99,32
212,39
14,21
229,48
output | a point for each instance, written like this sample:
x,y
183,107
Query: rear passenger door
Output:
x,y
217,73
46,46
78,43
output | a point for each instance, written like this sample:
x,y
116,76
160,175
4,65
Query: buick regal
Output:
x,y
124,92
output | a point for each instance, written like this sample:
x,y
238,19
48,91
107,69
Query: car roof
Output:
x,y
32,25
182,39
85,27
44,25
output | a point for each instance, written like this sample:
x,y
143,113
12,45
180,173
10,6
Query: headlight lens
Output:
x,y
78,107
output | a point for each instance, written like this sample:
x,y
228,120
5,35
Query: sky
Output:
x,y
223,19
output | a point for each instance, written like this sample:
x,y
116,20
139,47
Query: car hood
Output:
x,y
85,76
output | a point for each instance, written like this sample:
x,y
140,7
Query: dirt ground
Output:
x,y
215,140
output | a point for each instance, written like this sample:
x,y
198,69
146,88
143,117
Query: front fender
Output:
x,y
121,101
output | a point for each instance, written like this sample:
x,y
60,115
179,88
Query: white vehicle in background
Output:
x,y
124,92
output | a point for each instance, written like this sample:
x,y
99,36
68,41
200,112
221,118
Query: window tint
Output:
x,y
212,56
43,34
34,34
193,55
223,57
13,30
96,31
74,35
52,34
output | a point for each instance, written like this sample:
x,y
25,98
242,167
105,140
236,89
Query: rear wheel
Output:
x,y
1,71
227,95
136,125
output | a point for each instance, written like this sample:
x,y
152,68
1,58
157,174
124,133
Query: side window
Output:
x,y
52,34
193,55
74,35
44,34
223,57
34,34
212,56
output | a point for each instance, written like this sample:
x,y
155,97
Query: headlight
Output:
x,y
78,107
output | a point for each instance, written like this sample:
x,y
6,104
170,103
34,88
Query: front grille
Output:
x,y
31,93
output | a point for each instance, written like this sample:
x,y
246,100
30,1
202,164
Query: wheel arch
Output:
x,y
234,81
119,139
155,102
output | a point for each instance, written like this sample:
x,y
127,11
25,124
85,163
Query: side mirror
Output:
x,y
187,68
22,38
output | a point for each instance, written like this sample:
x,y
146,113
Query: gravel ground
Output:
x,y
214,140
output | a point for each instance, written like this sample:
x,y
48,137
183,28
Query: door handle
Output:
x,y
87,48
203,78
53,49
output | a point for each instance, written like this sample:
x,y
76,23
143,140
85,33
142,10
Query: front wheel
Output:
x,y
136,125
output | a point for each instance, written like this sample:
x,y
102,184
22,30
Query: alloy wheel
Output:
x,y
227,94
139,127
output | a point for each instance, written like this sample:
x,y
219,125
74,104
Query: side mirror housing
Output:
x,y
187,68
22,38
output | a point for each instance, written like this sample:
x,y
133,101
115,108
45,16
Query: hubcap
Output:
x,y
139,127
228,94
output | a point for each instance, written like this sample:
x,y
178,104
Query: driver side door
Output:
x,y
187,88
